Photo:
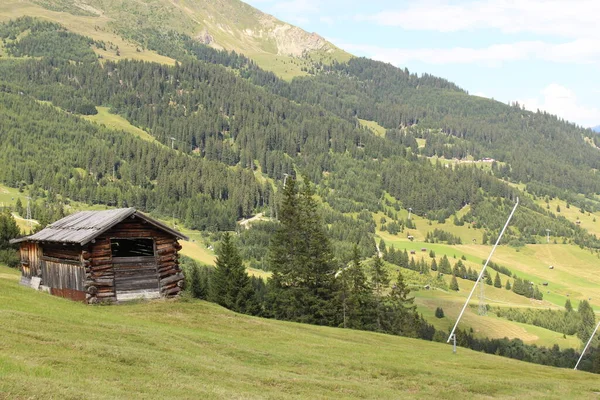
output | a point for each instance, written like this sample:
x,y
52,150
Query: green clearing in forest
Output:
x,y
56,348
373,127
113,121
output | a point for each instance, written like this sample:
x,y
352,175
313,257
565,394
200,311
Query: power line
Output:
x,y
482,271
586,346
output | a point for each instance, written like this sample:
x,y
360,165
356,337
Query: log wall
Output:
x,y
91,274
111,280
30,262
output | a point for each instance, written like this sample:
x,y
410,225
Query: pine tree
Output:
x,y
195,284
497,281
19,207
508,285
484,239
303,285
454,283
588,320
382,247
400,315
445,265
568,306
434,266
358,303
380,280
439,312
230,285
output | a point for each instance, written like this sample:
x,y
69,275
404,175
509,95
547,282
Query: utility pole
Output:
x,y
480,277
173,142
482,310
285,176
28,217
548,235
409,211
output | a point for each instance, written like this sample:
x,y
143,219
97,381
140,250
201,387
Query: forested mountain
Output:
x,y
133,26
237,131
228,115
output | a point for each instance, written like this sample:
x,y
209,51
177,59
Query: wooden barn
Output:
x,y
97,256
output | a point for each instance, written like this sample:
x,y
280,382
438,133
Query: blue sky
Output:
x,y
544,54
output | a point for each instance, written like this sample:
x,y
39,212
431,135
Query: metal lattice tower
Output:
x,y
482,306
28,217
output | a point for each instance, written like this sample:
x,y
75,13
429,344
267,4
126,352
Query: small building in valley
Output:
x,y
98,256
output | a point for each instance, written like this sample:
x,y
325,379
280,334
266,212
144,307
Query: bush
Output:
x,y
86,109
9,257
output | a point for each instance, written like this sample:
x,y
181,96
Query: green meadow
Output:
x,y
54,348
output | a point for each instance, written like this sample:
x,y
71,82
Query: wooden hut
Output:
x,y
95,256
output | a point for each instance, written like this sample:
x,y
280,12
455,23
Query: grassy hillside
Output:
x,y
117,122
232,25
55,348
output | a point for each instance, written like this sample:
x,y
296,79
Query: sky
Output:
x,y
544,54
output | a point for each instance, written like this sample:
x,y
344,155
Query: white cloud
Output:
x,y
573,19
578,51
297,6
559,100
326,20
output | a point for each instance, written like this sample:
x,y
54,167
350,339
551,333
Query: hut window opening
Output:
x,y
132,247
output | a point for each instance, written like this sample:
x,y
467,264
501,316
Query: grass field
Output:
x,y
575,276
113,121
587,220
55,348
96,27
373,127
487,326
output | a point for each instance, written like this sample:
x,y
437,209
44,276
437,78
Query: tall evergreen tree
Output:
x,y
400,312
380,280
230,285
303,285
359,307
497,281
588,320
8,230
568,306
454,283
445,265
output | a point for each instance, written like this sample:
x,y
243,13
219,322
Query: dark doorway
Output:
x,y
135,268
132,247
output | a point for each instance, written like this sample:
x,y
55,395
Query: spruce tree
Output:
x,y
454,283
488,279
382,247
588,320
380,280
508,285
196,288
19,207
568,306
445,265
497,281
434,266
360,306
230,285
400,315
303,285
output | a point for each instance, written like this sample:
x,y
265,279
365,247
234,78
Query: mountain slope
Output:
x,y
194,349
222,24
230,132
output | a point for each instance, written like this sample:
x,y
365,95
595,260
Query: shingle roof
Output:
x,y
84,226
